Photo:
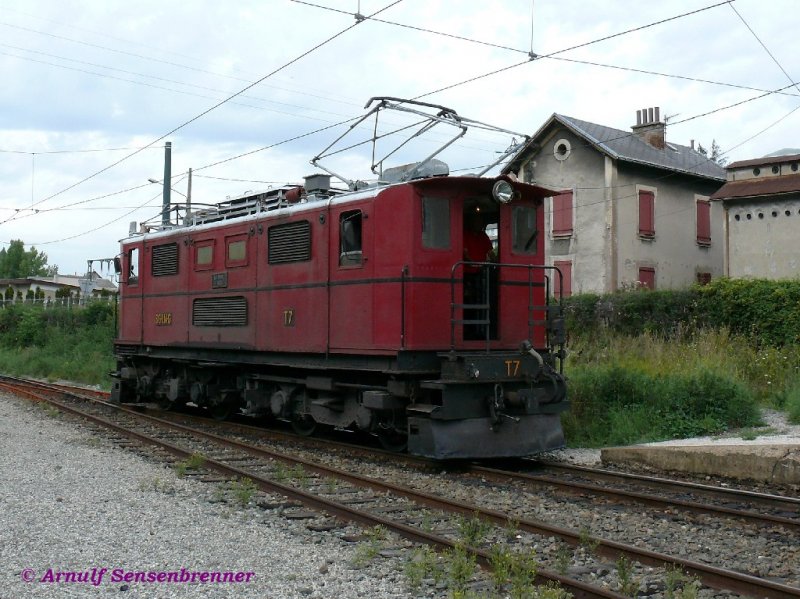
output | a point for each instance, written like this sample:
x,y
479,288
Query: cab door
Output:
x,y
351,277
130,326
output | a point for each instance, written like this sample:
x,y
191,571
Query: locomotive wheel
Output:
x,y
304,426
221,411
391,440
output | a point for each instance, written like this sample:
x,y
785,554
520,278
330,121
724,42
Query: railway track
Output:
x,y
392,506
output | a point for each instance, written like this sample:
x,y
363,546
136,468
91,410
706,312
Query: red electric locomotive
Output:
x,y
358,308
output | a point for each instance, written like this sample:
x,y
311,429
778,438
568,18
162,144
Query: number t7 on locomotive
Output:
x,y
361,307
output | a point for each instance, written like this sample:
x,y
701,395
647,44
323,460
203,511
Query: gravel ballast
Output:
x,y
72,503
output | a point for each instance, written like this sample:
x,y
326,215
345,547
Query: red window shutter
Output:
x,y
565,266
562,213
704,222
647,223
647,277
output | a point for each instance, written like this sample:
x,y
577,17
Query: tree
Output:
x,y
716,153
16,262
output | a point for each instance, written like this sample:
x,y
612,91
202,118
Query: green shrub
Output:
x,y
616,405
58,343
763,311
792,402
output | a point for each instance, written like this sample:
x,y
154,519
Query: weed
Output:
x,y
243,489
157,484
193,462
219,494
369,550
563,559
460,568
332,485
427,522
472,530
50,410
587,541
628,585
299,474
501,561
423,563
280,473
523,574
679,585
551,590
512,529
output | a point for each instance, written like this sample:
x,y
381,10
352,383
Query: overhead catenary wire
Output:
x,y
336,124
215,106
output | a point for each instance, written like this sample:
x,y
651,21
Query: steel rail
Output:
x,y
770,500
579,589
709,575
643,498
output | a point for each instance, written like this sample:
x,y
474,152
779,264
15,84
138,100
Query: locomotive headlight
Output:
x,y
503,192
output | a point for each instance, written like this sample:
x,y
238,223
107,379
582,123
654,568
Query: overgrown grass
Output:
x,y
58,343
628,389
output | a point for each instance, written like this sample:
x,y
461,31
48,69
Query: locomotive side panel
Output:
x,y
292,283
163,283
221,295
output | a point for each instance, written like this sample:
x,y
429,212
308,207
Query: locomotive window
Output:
x,y
237,251
289,243
524,230
350,238
164,260
204,255
435,223
133,266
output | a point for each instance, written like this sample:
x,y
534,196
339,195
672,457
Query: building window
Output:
x,y
350,238
565,266
703,278
647,214
703,222
647,277
435,223
236,251
562,214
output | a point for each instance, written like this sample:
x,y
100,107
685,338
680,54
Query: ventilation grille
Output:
x,y
290,242
220,312
165,259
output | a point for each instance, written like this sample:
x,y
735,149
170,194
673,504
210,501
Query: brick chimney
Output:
x,y
650,128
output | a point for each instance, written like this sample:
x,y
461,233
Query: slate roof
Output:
x,y
765,187
765,160
628,147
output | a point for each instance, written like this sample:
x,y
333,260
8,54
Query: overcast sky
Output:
x,y
86,85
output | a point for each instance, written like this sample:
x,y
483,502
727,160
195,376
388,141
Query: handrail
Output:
x,y
484,304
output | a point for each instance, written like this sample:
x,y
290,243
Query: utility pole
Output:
x,y
167,180
189,198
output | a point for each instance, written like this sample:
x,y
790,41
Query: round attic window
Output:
x,y
562,149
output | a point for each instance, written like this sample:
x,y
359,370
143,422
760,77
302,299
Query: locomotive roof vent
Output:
x,y
317,184
416,170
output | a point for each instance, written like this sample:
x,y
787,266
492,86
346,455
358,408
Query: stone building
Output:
x,y
761,205
635,209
